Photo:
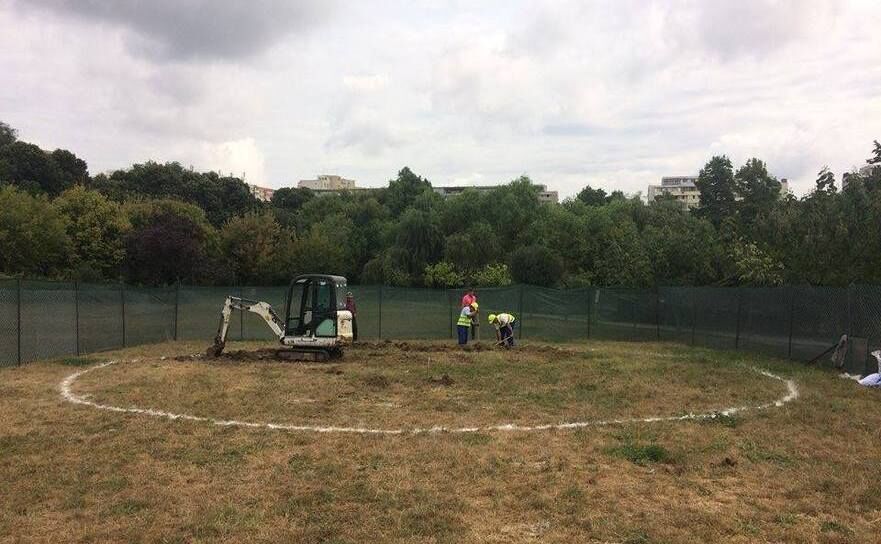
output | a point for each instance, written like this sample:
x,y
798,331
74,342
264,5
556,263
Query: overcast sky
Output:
x,y
612,94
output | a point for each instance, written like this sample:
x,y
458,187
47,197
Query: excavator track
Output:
x,y
314,355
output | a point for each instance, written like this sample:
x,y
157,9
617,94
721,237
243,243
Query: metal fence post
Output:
x,y
76,305
658,312
241,315
19,321
122,299
176,306
633,318
520,313
693,314
589,310
791,316
380,311
450,298
849,310
737,325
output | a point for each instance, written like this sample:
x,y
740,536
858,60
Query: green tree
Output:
x,y
716,185
825,182
492,275
33,235
167,249
318,252
443,275
220,197
536,265
876,154
682,249
403,190
759,190
169,241
291,198
592,197
251,246
30,168
419,236
753,266
7,134
97,228
72,170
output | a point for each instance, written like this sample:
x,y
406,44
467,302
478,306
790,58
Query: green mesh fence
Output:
x,y
625,314
8,322
715,318
198,313
676,314
415,313
764,320
554,315
252,326
40,319
367,306
48,320
100,317
819,318
149,315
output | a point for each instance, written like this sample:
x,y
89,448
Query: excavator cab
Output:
x,y
316,324
313,303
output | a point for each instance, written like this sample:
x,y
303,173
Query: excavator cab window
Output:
x,y
299,300
312,308
324,313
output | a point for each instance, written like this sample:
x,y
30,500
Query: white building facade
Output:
x,y
327,182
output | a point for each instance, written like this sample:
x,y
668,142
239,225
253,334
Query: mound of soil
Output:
x,y
263,354
376,348
383,347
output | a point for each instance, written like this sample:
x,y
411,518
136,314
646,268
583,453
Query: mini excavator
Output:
x,y
316,325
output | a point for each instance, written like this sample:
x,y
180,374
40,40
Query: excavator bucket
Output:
x,y
216,348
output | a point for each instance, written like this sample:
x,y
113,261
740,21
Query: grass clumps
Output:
x,y
641,453
78,361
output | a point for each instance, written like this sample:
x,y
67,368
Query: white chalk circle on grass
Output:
x,y
68,395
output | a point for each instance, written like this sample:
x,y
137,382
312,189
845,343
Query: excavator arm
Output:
x,y
263,309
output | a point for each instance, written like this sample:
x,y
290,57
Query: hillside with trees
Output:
x,y
156,224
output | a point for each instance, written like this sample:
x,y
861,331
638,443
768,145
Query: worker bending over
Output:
x,y
504,324
463,325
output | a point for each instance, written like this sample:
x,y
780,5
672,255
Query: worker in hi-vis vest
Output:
x,y
463,325
504,324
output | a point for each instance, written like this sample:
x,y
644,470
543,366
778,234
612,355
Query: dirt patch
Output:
x,y
377,381
375,348
444,380
382,348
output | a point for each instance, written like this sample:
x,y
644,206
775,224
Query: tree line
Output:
x,y
157,224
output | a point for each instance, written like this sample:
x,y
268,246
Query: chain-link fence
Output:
x,y
40,319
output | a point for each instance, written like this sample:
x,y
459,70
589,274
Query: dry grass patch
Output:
x,y
806,472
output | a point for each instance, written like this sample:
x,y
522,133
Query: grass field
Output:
x,y
806,471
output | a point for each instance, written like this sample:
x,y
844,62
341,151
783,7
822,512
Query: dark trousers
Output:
x,y
507,333
354,329
463,334
474,325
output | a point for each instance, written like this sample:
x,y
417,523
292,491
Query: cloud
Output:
x,y
237,157
728,29
615,94
366,83
185,30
